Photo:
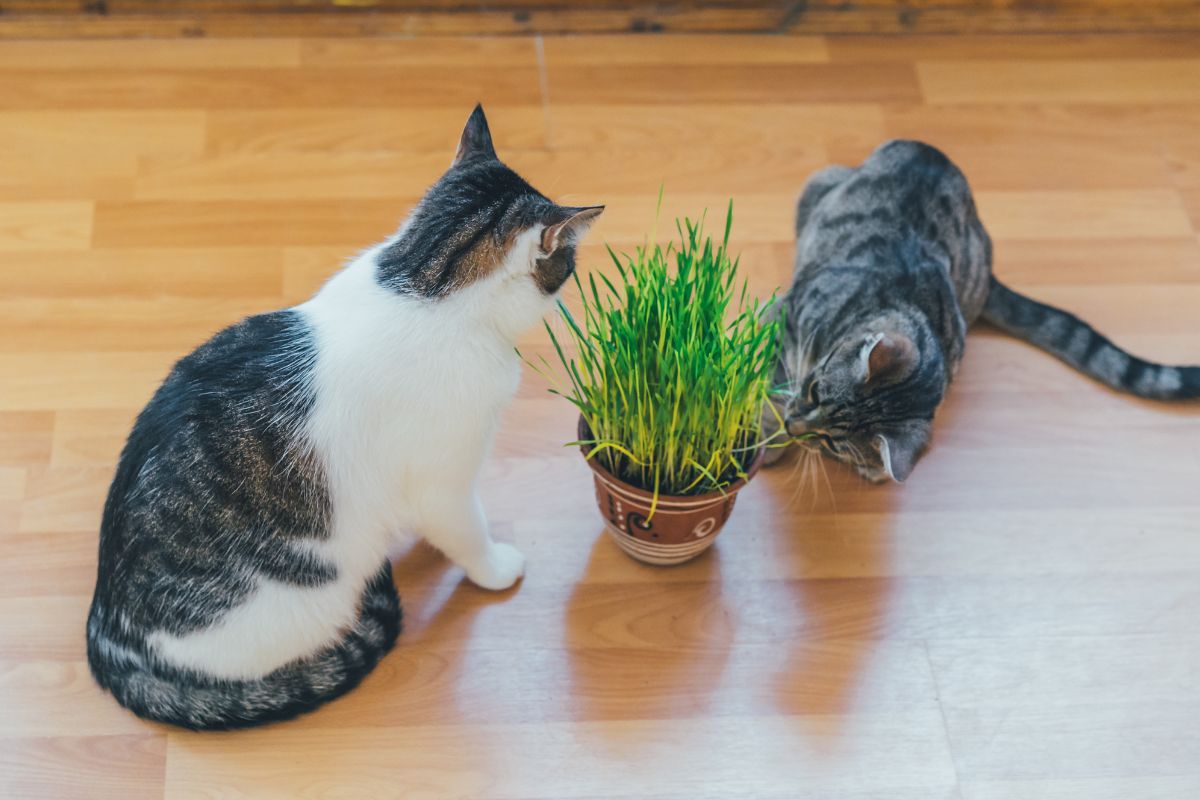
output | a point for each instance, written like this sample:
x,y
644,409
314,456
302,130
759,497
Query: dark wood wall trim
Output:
x,y
192,18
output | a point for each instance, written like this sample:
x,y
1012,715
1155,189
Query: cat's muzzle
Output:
x,y
796,426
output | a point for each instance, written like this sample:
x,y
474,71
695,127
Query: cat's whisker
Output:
x,y
802,484
828,484
857,461
815,463
797,476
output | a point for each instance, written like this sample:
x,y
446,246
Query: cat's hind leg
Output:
x,y
458,527
158,691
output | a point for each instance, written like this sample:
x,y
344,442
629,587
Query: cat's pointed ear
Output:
x,y
900,449
568,230
887,358
476,139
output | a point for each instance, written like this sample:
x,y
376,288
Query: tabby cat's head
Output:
x,y
482,230
870,402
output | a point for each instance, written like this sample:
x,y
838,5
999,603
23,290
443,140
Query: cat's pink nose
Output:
x,y
796,426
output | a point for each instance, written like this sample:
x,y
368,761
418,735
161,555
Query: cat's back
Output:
x,y
908,199
205,450
249,381
257,357
913,161
899,184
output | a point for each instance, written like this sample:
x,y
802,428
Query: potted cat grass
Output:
x,y
671,368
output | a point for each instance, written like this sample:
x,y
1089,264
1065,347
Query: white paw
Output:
x,y
502,568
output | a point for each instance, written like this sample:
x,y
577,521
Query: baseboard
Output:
x,y
325,18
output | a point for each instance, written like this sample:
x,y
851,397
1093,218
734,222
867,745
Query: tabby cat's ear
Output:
x,y
887,358
476,139
899,450
570,230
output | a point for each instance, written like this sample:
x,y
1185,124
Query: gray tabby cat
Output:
x,y
892,267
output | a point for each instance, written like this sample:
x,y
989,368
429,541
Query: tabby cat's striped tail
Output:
x,y
1066,336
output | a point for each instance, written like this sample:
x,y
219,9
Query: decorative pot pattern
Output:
x,y
680,529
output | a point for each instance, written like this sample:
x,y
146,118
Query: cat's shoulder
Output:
x,y
258,343
243,369
910,157
897,152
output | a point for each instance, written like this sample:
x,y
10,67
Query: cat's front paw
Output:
x,y
503,567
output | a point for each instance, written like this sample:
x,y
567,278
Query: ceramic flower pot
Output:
x,y
681,528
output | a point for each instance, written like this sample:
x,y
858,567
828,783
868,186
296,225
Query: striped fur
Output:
x,y
892,267
1067,337
155,690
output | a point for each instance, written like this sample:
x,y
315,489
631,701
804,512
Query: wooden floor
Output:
x,y
1021,621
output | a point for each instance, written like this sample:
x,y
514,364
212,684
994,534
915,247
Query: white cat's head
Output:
x,y
483,236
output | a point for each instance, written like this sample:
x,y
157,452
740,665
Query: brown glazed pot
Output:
x,y
681,528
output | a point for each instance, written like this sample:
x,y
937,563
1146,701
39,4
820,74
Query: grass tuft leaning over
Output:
x,y
672,366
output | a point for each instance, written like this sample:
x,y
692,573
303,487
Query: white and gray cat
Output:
x,y
244,571
892,266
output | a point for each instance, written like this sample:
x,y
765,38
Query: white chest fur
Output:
x,y
408,395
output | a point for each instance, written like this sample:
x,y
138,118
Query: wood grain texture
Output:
x,y
265,88
1122,81
364,130
48,225
1016,622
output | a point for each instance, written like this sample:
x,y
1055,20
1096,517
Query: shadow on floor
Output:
x,y
646,642
835,536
